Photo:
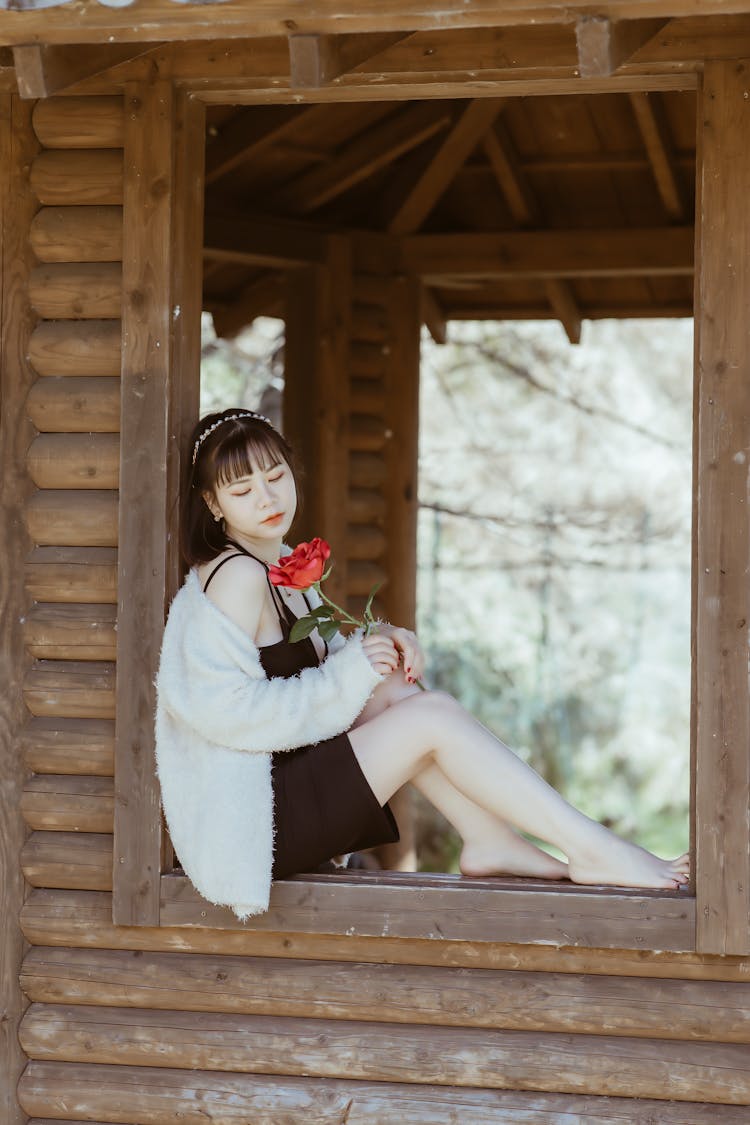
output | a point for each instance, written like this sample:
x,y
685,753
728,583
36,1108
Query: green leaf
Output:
x,y
324,576
303,627
373,592
321,611
328,629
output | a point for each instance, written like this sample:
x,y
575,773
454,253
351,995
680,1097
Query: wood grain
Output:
x,y
76,404
17,206
70,122
160,1096
76,348
497,1060
68,177
722,626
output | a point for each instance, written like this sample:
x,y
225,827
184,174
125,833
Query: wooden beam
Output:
x,y
317,60
161,20
524,207
471,125
604,45
722,515
653,127
432,315
43,70
257,241
264,296
402,131
634,252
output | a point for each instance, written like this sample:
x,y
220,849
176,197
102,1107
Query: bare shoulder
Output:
x,y
238,589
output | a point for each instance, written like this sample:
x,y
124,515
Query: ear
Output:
x,y
210,501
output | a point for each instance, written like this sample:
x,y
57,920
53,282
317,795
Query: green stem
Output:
x,y
347,616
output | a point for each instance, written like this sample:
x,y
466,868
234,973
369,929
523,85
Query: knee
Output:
x,y
436,708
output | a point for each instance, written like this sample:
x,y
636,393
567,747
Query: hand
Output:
x,y
408,647
381,652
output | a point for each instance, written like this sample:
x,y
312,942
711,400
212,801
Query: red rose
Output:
x,y
303,567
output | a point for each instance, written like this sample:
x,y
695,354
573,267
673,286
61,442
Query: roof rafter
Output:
x,y
421,196
263,296
361,158
654,130
248,133
524,208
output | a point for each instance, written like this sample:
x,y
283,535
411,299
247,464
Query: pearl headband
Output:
x,y
230,417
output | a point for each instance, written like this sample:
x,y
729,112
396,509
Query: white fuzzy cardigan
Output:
x,y
218,719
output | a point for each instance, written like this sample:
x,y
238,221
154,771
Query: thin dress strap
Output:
x,y
282,610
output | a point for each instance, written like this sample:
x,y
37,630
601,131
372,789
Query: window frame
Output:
x,y
438,907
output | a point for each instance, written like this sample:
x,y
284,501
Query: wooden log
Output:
x,y
366,470
72,574
76,404
368,358
83,919
366,433
411,995
75,460
79,860
71,632
369,323
364,542
70,746
81,347
363,575
70,689
365,505
77,234
72,517
70,122
68,177
76,291
370,290
580,1064
161,1096
58,803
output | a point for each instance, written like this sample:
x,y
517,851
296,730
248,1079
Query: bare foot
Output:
x,y
615,862
510,854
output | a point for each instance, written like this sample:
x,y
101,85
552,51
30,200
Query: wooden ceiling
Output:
x,y
572,207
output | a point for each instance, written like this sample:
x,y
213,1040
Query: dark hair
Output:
x,y
230,451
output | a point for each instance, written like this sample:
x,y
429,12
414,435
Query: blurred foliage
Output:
x,y
553,583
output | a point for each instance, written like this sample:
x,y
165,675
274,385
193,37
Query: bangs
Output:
x,y
241,455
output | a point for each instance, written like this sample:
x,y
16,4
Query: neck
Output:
x,y
269,550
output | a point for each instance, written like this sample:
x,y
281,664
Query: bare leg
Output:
x,y
432,729
490,845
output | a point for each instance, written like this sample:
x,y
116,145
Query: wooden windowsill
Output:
x,y
452,907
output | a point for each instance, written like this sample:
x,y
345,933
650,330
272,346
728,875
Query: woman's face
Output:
x,y
247,502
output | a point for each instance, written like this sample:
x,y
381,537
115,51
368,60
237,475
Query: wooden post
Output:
x,y
163,206
316,399
722,624
17,206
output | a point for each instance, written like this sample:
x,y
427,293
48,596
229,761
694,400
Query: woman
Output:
x,y
275,756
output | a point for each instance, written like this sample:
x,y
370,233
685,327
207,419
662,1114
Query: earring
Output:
x,y
217,518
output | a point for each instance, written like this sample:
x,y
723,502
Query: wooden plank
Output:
x,y
663,252
72,518
447,997
17,148
70,122
453,911
70,689
245,136
433,315
70,632
73,290
605,44
264,296
160,1096
421,196
260,241
68,859
75,460
316,370
84,920
316,60
722,626
148,200
43,70
68,176
617,1066
157,20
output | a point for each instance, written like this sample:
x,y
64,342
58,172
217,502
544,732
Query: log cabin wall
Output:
x,y
145,1025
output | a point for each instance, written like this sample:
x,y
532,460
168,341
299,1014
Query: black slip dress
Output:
x,y
323,803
